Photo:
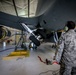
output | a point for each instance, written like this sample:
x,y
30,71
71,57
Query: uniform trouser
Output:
x,y
65,69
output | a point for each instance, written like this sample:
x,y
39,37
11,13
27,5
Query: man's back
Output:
x,y
69,52
66,53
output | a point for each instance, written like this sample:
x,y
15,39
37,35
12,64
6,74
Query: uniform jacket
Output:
x,y
67,48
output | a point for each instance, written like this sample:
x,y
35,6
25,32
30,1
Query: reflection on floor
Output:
x,y
29,65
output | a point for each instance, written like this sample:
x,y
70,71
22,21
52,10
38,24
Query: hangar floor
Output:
x,y
30,65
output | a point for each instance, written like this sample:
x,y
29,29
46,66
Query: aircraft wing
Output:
x,y
15,22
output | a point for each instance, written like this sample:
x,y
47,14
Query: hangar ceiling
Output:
x,y
24,8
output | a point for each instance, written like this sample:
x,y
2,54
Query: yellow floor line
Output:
x,y
17,54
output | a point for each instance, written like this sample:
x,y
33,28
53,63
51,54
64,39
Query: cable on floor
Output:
x,y
56,72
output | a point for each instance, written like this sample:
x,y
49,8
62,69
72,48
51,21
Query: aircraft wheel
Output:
x,y
34,40
43,35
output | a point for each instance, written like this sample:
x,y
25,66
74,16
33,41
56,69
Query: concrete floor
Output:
x,y
30,65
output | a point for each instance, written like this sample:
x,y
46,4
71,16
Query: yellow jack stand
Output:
x,y
17,54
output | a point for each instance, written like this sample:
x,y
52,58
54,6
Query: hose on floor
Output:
x,y
56,72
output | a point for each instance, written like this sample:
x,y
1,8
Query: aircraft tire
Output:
x,y
34,40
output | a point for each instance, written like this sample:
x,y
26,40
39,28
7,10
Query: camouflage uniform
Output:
x,y
66,54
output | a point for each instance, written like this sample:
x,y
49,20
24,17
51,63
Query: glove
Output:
x,y
54,62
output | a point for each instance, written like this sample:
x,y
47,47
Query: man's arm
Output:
x,y
58,53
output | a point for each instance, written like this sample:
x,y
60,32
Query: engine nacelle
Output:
x,y
4,32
